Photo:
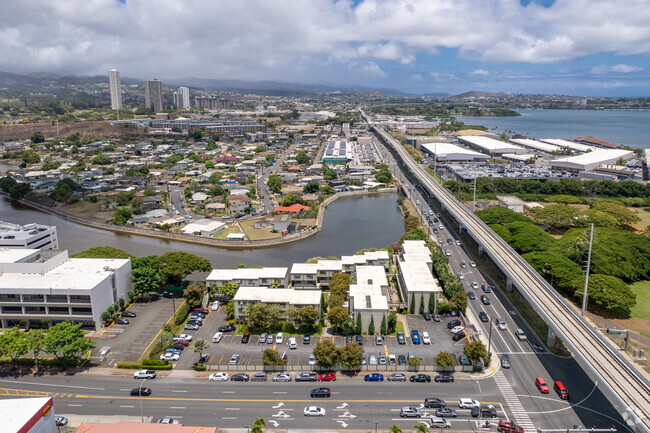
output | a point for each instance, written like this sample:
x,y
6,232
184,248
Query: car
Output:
x,y
463,360
234,359
320,392
472,264
396,377
430,212
457,329
312,359
463,265
541,385
121,321
240,377
348,339
374,377
441,227
282,377
486,288
226,328
262,338
363,359
195,322
447,253
505,360
436,220
141,391
314,411
279,338
420,377
144,374
270,339
431,223
392,360
415,336
444,377
306,377
169,356
509,427
258,377
485,300
426,316
215,305
172,350
401,359
474,285
128,314
400,338
459,243
245,337
61,421
199,315
459,336
379,340
484,317
327,377
467,403
200,310
501,324
185,337
360,340
292,343
191,326
460,275
372,359
410,412
453,323
435,230
436,422
218,377
382,359
168,421
484,411
306,339
434,402
561,390
446,412
521,335
178,346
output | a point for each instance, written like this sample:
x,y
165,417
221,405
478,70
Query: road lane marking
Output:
x,y
120,406
75,405
279,392
231,408
228,417
178,390
176,407
227,392
57,386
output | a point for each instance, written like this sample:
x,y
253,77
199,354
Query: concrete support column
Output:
x,y
481,250
508,284
550,340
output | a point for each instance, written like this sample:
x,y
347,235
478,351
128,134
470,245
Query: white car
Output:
x,y
501,324
312,359
169,356
279,338
441,227
292,343
474,285
218,377
144,374
425,338
314,411
234,359
430,212
468,403
217,337
457,329
460,275
215,305
458,242
447,253
187,337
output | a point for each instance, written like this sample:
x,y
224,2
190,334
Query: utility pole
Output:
x,y
474,199
584,294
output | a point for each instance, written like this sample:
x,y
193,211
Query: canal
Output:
x,y
350,224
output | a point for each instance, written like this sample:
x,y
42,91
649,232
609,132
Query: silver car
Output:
x,y
410,412
262,339
372,359
501,324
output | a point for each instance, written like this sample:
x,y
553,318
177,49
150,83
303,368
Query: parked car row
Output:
x,y
401,377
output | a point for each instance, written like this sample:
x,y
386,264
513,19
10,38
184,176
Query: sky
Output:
x,y
576,47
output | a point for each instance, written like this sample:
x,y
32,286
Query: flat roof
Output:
x,y
247,273
417,277
13,255
278,296
590,160
17,413
372,276
304,268
570,144
203,225
537,145
491,145
21,231
448,151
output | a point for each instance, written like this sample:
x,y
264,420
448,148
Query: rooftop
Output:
x,y
278,296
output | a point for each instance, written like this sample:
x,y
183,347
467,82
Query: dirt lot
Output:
x,y
91,129
87,210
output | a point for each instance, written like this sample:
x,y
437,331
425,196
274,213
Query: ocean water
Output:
x,y
622,127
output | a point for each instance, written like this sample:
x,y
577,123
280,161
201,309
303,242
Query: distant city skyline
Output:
x,y
577,47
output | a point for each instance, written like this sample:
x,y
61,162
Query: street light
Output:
x,y
376,422
140,394
247,428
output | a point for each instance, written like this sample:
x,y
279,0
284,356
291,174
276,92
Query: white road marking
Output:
x,y
126,406
279,392
232,408
56,386
179,391
227,392
75,405
176,407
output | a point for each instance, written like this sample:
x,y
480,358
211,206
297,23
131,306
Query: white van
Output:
x,y
217,337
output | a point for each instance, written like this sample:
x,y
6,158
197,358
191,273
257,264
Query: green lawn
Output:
x,y
234,228
644,215
642,307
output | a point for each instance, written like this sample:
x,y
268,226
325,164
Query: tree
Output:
x,y
13,343
274,183
308,315
392,321
358,324
382,329
421,427
228,289
105,316
197,135
617,210
102,159
421,309
556,216
66,342
414,362
37,137
475,351
395,429
383,176
103,253
257,425
500,215
458,300
445,359
302,158
329,173
351,355
335,300
611,294
432,303
412,305
337,316
258,315
371,325
326,354
200,345
35,340
272,357
29,157
19,190
145,279
175,265
311,187
340,284
193,294
121,217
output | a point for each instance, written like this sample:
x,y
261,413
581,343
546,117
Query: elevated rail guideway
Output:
x,y
618,379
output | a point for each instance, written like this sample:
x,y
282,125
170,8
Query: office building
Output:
x,y
33,236
115,88
153,95
210,103
183,96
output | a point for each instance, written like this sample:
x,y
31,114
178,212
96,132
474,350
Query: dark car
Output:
x,y
128,314
434,402
484,411
459,336
464,360
426,316
227,328
141,391
505,360
420,377
486,288
446,412
240,377
320,392
396,377
483,316
400,338
485,300
306,339
401,359
121,321
197,314
204,358
177,346
444,377
198,322
258,377
360,340
306,377
245,337
453,323
471,295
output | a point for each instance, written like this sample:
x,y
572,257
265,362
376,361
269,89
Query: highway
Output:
x,y
626,388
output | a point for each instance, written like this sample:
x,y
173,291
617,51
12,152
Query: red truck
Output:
x,y
509,427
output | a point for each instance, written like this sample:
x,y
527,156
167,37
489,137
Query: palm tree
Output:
x,y
421,427
395,429
200,345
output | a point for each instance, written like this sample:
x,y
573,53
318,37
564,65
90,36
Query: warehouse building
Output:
x,y
536,145
337,152
591,160
490,146
451,152
569,144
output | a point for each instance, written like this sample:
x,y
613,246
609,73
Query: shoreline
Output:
x,y
210,242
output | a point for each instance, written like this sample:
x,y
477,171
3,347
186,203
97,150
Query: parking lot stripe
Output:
x,y
386,350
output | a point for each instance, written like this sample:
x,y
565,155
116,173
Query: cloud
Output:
x,y
372,68
480,72
620,69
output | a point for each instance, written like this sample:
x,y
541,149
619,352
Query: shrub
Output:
x,y
288,327
182,314
152,362
128,365
199,367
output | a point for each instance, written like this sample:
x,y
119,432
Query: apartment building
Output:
x,y
368,297
33,236
286,297
415,279
249,277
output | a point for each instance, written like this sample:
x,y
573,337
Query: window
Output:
x,y
57,298
9,298
80,299
12,310
82,311
33,298
34,310
59,310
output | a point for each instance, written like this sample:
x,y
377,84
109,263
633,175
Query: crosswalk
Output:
x,y
511,399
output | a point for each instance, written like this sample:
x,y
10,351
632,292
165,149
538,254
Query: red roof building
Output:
x,y
294,208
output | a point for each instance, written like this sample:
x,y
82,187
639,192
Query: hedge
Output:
x,y
137,366
152,362
182,314
199,367
128,365
29,362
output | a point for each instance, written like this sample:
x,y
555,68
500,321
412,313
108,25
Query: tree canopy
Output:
x,y
500,215
175,265
274,183
610,293
103,253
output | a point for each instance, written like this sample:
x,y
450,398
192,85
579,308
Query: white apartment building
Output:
x,y
415,278
368,297
37,285
249,277
115,89
265,295
35,236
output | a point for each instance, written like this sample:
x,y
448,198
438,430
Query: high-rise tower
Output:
x,y
184,98
153,95
115,88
